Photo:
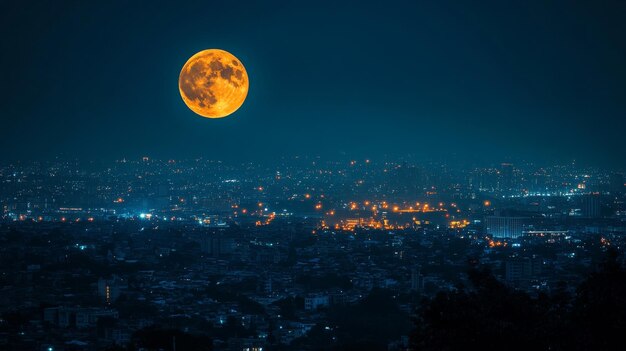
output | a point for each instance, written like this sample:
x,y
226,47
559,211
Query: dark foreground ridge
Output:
x,y
488,315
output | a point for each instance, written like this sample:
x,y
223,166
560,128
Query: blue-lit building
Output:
x,y
504,226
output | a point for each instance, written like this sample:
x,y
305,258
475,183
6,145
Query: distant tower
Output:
x,y
506,177
110,289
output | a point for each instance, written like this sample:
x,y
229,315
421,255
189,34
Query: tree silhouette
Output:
x,y
598,317
488,315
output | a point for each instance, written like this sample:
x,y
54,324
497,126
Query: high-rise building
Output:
x,y
591,206
216,244
504,226
111,289
506,177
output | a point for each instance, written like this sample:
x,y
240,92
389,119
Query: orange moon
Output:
x,y
213,83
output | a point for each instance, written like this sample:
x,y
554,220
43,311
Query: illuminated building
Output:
x,y
458,224
504,226
110,289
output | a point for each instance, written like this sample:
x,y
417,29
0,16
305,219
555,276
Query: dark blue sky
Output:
x,y
541,80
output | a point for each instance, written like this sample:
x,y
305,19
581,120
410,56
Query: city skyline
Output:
x,y
137,253
304,175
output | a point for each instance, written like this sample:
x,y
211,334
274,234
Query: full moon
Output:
x,y
213,83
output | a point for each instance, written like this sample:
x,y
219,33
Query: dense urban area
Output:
x,y
304,254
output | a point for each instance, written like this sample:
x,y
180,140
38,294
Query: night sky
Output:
x,y
543,80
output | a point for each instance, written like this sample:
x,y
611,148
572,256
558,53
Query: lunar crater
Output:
x,y
213,83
